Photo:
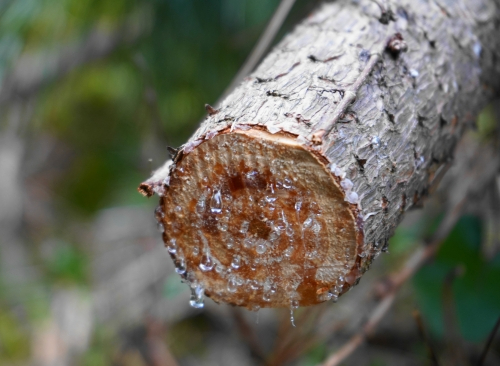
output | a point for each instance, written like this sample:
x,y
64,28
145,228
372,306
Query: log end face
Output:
x,y
256,220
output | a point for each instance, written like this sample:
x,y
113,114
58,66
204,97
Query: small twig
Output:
x,y
425,338
262,45
324,127
488,343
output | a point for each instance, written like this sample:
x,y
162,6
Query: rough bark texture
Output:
x,y
375,101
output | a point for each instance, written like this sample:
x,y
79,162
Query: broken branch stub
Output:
x,y
289,190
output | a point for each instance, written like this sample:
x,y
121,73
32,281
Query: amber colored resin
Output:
x,y
256,220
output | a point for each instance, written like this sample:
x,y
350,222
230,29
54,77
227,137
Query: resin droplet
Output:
x,y
260,248
201,206
294,304
172,246
337,171
270,199
197,294
325,296
236,262
307,223
352,197
180,267
316,227
216,203
298,205
334,297
248,242
206,263
346,184
231,285
280,225
244,227
159,213
292,319
273,236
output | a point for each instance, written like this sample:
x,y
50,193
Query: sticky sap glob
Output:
x,y
206,263
197,296
216,203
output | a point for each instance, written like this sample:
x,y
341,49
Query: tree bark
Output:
x,y
289,190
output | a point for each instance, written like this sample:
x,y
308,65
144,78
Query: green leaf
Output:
x,y
475,293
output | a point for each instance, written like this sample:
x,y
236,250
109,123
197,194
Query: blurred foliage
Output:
x,y
475,290
99,353
67,265
173,287
487,125
189,336
13,345
94,115
315,355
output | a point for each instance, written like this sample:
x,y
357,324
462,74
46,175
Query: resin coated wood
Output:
x,y
258,221
363,111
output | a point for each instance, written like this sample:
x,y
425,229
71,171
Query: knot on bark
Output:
x,y
396,45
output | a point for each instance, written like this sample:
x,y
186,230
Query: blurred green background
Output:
x,y
91,93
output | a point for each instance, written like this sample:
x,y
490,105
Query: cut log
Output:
x,y
294,184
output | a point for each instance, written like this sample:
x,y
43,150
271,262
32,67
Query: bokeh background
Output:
x,y
91,94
